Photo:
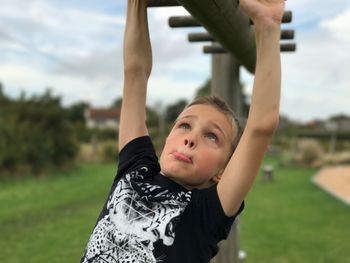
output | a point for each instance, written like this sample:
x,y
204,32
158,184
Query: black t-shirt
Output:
x,y
150,218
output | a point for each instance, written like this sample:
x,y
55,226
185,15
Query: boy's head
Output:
x,y
200,144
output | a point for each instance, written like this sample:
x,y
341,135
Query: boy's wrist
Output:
x,y
267,29
267,25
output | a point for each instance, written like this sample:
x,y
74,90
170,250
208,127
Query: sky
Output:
x,y
75,49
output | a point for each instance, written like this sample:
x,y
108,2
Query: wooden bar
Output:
x,y
162,3
288,47
205,36
214,50
287,17
189,21
200,37
287,34
183,21
284,47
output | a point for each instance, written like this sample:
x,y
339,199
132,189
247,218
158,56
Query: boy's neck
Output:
x,y
188,187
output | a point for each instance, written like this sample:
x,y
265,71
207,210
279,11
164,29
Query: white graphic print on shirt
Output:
x,y
139,214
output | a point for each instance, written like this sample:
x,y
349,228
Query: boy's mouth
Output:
x,y
182,157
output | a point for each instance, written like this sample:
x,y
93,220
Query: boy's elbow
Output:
x,y
266,126
132,71
136,71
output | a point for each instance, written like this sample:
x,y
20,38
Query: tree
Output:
x,y
76,112
35,133
1,90
152,115
173,110
117,102
204,90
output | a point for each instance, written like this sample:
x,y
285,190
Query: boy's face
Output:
x,y
197,148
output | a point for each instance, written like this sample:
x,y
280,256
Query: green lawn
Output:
x,y
50,219
289,220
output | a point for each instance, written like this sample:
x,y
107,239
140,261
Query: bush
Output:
x,y
35,133
98,152
339,158
308,152
109,151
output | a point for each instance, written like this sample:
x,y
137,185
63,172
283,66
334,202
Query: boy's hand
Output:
x,y
263,10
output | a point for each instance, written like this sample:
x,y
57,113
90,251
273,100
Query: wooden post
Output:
x,y
267,172
225,81
225,84
229,249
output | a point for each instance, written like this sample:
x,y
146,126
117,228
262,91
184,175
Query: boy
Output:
x,y
179,209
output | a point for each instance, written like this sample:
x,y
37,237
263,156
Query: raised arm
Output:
x,y
239,175
137,69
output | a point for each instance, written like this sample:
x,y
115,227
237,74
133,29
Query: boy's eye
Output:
x,y
184,125
212,136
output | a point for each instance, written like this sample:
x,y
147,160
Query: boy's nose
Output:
x,y
189,142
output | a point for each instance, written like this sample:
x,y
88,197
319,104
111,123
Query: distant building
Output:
x,y
317,125
102,118
339,123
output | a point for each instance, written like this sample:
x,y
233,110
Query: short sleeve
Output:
x,y
137,153
213,221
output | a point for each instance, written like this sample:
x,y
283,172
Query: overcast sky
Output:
x,y
75,47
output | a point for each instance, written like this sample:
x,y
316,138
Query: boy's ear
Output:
x,y
217,177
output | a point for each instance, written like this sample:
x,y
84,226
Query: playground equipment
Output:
x,y
232,38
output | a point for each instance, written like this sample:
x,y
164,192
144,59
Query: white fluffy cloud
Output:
x,y
339,26
316,83
78,51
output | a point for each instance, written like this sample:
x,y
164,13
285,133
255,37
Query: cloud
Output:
x,y
166,89
176,60
315,82
31,81
58,30
339,26
309,13
77,49
49,45
316,76
170,44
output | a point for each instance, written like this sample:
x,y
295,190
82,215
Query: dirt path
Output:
x,y
336,181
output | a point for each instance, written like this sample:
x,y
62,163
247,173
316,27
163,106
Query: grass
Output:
x,y
289,220
50,219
